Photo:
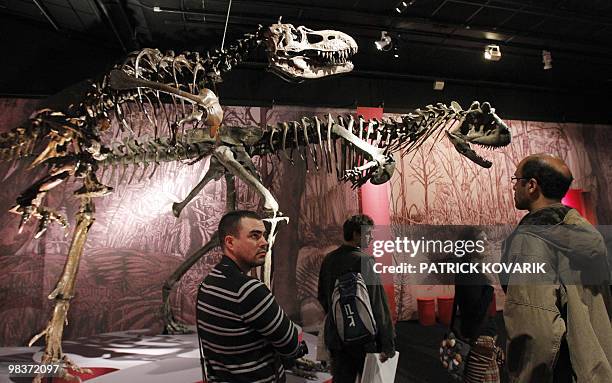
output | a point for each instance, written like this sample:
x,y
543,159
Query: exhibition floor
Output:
x,y
137,356
134,356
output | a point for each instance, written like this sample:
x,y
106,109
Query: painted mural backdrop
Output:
x,y
438,186
136,243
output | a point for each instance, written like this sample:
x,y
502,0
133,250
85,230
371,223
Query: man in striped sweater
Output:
x,y
242,330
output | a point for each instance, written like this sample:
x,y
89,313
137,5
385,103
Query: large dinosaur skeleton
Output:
x,y
171,91
355,149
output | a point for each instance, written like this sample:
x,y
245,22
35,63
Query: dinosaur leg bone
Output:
x,y
63,293
171,326
230,187
215,171
267,267
371,151
226,156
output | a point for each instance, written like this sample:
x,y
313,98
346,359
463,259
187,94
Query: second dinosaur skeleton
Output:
x,y
357,151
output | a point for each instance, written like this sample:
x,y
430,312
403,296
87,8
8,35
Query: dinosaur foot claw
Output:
x,y
278,219
97,190
173,327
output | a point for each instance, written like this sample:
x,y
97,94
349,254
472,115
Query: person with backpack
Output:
x,y
357,319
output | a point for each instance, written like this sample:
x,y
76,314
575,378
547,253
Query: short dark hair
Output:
x,y
230,223
353,225
552,182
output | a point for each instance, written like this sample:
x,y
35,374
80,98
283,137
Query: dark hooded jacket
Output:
x,y
571,303
342,260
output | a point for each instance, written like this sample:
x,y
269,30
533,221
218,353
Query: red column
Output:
x,y
374,201
576,198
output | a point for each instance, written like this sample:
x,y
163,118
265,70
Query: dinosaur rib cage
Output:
x,y
90,118
310,139
314,138
188,72
301,140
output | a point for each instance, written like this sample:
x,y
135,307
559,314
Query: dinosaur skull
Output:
x,y
296,54
480,126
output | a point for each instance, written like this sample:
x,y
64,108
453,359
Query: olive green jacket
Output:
x,y
539,316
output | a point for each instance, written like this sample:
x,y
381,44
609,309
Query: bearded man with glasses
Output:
x,y
558,325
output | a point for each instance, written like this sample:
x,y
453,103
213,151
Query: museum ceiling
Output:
x,y
48,44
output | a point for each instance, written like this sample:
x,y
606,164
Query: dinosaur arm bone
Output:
x,y
207,99
30,201
226,156
369,150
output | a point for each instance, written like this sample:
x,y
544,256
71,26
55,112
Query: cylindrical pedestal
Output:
x,y
427,311
445,309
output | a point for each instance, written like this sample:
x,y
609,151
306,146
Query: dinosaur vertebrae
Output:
x,y
188,71
316,139
18,143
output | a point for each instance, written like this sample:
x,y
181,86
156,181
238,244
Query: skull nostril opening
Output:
x,y
331,37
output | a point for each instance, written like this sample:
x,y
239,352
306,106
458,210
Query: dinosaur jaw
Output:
x,y
311,64
493,140
463,147
497,135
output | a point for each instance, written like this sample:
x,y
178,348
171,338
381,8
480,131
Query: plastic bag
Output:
x,y
376,372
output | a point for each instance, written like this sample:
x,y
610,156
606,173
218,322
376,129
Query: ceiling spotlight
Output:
x,y
547,60
385,43
403,5
492,52
438,85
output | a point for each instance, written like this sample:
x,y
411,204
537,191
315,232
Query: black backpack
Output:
x,y
351,311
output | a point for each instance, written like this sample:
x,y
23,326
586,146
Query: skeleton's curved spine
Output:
x,y
405,135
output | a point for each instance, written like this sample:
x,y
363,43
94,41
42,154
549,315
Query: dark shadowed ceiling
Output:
x,y
49,44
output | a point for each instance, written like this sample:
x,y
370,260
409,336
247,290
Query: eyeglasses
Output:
x,y
514,179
